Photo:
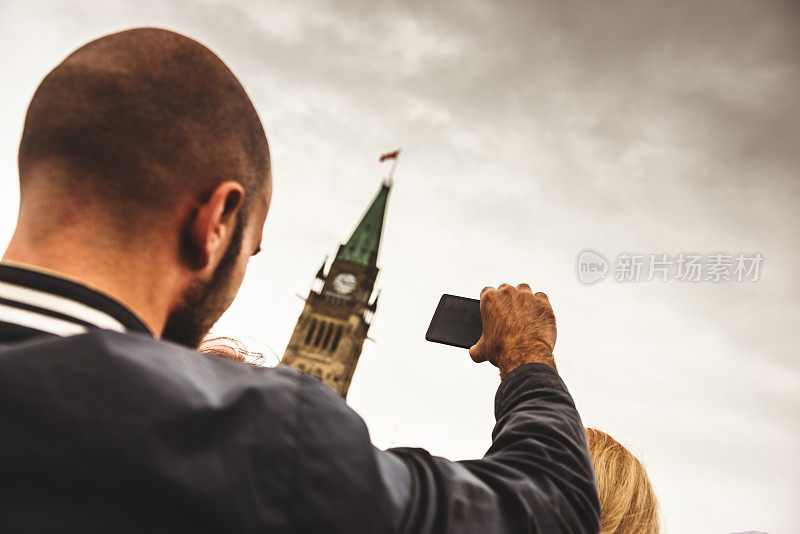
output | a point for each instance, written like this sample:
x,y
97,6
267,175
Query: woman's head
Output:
x,y
628,504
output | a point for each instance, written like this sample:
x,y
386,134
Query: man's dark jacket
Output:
x,y
105,429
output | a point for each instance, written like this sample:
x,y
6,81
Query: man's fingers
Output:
x,y
524,287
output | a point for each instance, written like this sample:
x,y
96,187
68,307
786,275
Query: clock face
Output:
x,y
344,283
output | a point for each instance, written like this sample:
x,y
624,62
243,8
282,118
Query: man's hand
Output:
x,y
518,328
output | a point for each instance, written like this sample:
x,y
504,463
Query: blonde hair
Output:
x,y
232,349
628,504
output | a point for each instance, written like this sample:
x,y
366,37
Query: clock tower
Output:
x,y
327,340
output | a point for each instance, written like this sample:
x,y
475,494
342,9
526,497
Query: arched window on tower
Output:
x,y
327,339
311,330
336,338
322,326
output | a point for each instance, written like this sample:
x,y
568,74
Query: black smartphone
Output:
x,y
457,322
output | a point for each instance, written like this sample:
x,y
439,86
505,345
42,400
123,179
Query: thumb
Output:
x,y
476,351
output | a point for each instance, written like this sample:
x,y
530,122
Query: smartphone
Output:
x,y
456,322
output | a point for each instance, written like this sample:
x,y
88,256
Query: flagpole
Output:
x,y
390,179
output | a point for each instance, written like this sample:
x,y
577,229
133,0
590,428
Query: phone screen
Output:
x,y
457,322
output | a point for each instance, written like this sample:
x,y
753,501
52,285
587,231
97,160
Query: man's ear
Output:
x,y
214,223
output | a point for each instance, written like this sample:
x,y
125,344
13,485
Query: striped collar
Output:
x,y
34,304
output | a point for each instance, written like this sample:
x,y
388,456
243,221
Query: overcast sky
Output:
x,y
530,131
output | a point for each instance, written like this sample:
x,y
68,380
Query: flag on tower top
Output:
x,y
389,155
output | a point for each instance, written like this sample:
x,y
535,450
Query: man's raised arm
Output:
x,y
537,476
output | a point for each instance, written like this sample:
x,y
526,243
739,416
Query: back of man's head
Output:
x,y
130,123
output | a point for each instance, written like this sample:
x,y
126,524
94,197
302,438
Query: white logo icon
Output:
x,y
591,267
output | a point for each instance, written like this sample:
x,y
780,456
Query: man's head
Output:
x,y
146,142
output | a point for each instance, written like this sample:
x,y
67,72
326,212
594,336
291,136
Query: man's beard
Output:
x,y
204,302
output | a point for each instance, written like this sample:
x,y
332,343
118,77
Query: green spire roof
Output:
x,y
366,238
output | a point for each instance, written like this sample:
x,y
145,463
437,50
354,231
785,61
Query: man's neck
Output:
x,y
134,280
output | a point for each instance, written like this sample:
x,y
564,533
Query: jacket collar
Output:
x,y
35,303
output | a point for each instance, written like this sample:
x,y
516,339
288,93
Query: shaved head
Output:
x,y
145,172
136,120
